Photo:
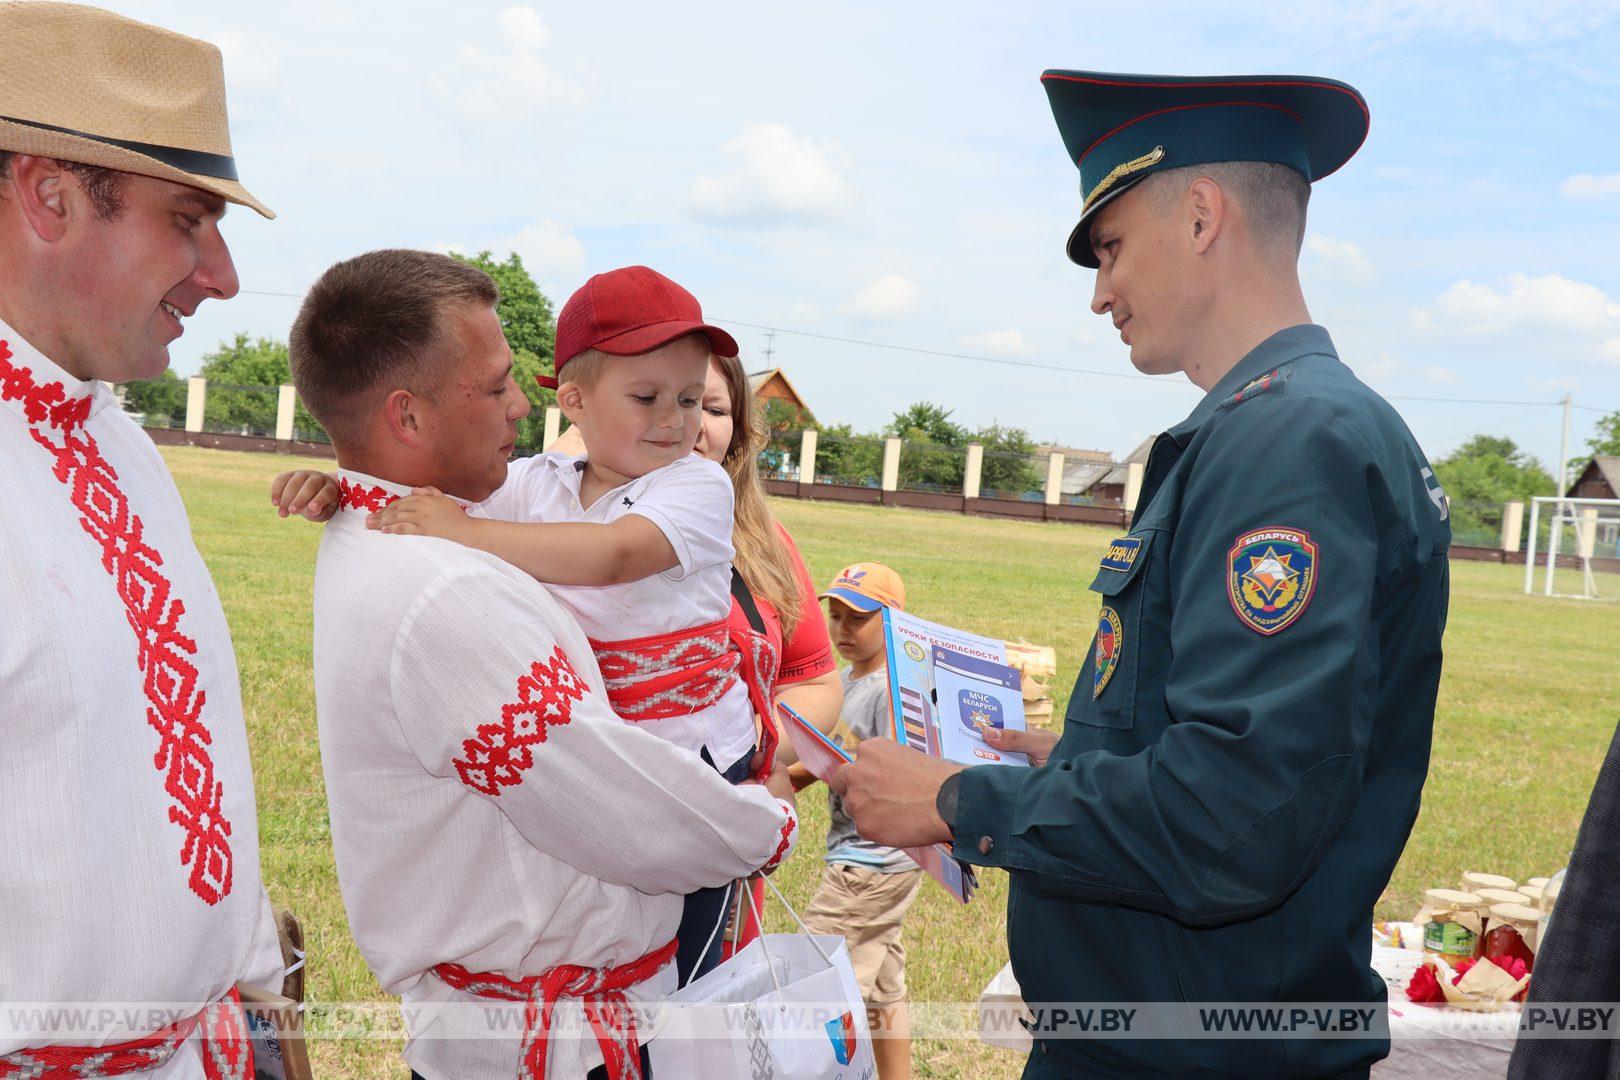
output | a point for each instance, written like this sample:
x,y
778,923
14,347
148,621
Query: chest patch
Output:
x,y
1271,576
1110,644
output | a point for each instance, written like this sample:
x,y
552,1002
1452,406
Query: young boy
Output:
x,y
866,888
634,537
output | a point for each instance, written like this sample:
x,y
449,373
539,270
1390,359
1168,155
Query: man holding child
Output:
x,y
501,835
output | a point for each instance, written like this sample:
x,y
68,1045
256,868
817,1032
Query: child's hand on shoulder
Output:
x,y
424,512
305,491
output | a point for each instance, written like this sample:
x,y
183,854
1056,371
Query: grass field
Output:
x,y
1527,707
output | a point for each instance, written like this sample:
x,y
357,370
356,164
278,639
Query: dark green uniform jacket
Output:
x,y
1243,755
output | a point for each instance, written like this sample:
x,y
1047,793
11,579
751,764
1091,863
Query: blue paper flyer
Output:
x,y
970,695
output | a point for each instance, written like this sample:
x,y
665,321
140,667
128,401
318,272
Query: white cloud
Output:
x,y
779,175
517,79
1444,376
549,252
1341,258
252,63
1376,371
1002,342
1550,304
1562,382
885,297
1588,186
1389,21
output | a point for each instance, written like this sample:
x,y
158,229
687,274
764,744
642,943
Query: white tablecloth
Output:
x,y
1427,1042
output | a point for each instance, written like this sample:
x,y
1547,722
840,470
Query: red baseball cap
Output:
x,y
627,312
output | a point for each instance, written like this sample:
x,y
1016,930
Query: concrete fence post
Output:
x,y
196,400
891,464
286,409
807,456
553,427
1133,484
974,472
1512,525
1054,480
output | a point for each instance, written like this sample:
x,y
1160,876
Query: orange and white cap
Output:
x,y
867,586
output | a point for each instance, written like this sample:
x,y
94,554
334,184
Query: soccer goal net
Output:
x,y
1581,543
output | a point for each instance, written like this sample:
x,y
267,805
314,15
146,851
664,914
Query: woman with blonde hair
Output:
x,y
769,576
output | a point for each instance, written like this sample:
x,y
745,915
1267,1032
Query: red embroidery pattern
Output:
x,y
601,992
501,753
355,497
164,654
789,827
227,1053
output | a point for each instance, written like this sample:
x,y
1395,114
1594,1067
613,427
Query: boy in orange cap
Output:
x,y
866,888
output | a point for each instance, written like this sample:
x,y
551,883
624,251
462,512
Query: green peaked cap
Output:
x,y
1120,129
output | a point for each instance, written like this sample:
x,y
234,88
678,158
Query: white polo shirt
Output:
x,y
129,842
488,809
692,503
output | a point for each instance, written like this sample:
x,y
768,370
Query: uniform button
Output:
x,y
985,844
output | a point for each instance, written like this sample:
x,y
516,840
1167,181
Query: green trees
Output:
x,y
1479,477
531,329
244,373
934,455
162,401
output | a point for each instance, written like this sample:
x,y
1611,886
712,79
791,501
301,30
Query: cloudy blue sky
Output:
x,y
891,173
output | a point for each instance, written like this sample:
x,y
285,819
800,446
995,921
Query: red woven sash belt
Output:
x,y
227,1054
664,675
601,991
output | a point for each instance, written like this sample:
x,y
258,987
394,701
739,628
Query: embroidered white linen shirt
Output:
x,y
129,843
488,809
692,502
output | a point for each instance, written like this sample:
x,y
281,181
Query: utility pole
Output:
x,y
770,351
1563,450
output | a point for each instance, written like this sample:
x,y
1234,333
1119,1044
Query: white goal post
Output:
x,y
1595,524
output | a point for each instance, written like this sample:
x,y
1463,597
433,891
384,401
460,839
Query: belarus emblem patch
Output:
x,y
1110,643
1271,574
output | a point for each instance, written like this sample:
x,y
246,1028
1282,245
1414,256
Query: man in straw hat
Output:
x,y
129,861
1248,738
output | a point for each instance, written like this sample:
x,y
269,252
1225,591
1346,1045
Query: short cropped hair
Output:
x,y
104,187
372,325
1274,198
586,368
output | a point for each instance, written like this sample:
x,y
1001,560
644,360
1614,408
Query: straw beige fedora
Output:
x,y
81,84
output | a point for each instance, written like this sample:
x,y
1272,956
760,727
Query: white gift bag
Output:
x,y
784,1007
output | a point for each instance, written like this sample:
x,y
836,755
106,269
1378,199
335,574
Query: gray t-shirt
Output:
x,y
866,714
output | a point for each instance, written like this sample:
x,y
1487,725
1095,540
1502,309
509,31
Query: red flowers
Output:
x,y
1424,987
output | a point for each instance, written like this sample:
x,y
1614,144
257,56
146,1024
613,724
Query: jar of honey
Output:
x,y
1452,923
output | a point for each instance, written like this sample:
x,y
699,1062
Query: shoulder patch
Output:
x,y
1122,553
1271,576
1271,380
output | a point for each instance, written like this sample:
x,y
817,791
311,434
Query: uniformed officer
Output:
x,y
1246,744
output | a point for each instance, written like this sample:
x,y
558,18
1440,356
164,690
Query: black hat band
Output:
x,y
197,162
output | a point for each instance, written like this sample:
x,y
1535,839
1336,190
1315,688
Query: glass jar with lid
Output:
x,y
1452,922
1511,935
1473,882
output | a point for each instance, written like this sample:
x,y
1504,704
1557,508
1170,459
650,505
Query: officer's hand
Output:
x,y
1037,742
889,793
